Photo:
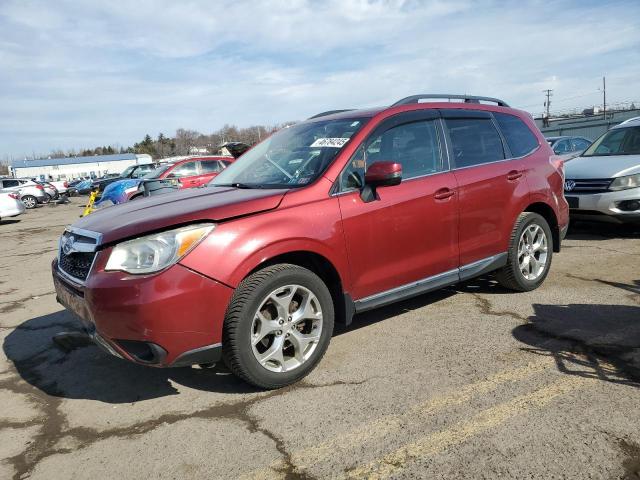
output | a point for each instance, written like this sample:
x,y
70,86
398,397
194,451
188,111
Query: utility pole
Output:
x,y
547,104
604,98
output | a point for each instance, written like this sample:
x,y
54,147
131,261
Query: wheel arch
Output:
x,y
325,269
543,209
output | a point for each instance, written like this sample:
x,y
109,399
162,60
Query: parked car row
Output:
x,y
188,173
603,183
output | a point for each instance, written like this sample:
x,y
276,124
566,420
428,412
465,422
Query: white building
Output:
x,y
75,167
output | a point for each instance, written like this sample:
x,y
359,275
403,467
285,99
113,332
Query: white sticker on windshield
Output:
x,y
330,142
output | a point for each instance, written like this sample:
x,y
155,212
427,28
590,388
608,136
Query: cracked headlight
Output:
x,y
156,252
624,183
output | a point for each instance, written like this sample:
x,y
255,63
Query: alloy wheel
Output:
x,y
286,328
532,252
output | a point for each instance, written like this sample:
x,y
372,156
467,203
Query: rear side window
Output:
x,y
10,183
519,137
474,141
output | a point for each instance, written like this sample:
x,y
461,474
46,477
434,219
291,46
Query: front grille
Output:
x,y
596,185
76,254
76,264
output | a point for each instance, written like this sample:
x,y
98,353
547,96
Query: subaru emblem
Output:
x,y
67,244
569,185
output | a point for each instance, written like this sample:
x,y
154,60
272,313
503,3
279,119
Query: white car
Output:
x,y
10,205
62,186
604,182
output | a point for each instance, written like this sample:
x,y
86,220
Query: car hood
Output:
x,y
602,166
138,217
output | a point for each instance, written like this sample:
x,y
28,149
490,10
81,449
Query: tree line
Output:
x,y
183,142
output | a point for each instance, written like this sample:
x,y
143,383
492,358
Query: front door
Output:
x,y
409,232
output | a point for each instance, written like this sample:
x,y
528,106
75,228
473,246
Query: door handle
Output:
x,y
443,194
514,175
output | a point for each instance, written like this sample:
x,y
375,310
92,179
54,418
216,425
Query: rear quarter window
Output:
x,y
519,137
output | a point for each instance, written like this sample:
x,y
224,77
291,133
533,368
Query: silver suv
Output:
x,y
604,182
30,192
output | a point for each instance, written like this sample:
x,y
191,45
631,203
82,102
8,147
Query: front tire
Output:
x,y
529,255
278,326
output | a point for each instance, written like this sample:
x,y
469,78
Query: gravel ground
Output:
x,y
468,382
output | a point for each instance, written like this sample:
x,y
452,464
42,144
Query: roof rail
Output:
x,y
466,98
330,112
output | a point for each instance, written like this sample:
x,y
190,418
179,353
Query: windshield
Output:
x,y
127,171
619,141
158,171
293,157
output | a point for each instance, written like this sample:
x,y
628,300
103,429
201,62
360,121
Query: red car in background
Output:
x,y
188,173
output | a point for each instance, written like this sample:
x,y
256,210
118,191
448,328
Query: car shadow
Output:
x,y
587,340
9,221
87,372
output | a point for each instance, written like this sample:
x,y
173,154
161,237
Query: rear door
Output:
x,y
409,232
490,183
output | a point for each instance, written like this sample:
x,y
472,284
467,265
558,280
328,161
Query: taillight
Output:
x,y
14,196
39,187
66,185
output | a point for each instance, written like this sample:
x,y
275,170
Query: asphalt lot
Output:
x,y
469,382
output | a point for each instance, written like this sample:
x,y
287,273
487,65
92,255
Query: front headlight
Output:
x,y
624,183
153,253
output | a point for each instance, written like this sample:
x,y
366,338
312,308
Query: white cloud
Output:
x,y
87,73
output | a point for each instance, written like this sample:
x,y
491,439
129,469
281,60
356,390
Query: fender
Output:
x,y
237,247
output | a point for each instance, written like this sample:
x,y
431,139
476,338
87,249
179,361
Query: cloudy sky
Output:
x,y
77,73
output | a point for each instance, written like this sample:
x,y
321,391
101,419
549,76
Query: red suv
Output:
x,y
339,214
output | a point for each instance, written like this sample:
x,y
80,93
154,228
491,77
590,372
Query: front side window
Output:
x,y
619,141
158,171
292,157
414,145
474,141
519,137
187,169
579,144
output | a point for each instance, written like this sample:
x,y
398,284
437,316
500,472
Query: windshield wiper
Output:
x,y
235,185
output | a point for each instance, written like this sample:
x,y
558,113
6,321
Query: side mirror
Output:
x,y
383,174
380,174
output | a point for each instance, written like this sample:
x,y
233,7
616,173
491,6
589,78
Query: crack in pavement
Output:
x,y
54,424
487,308
12,305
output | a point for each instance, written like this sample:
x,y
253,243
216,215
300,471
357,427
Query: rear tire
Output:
x,y
30,201
529,255
278,326
46,199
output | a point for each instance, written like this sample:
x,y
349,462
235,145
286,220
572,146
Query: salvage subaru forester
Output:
x,y
342,213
